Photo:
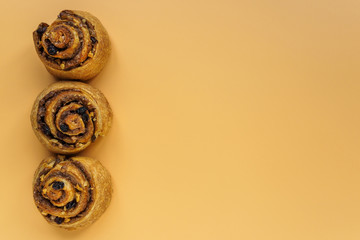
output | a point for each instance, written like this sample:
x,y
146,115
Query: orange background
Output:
x,y
232,119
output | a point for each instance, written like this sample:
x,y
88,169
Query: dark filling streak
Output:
x,y
93,40
93,36
58,185
79,99
41,29
64,127
81,110
90,200
85,118
52,50
46,130
71,204
63,175
59,220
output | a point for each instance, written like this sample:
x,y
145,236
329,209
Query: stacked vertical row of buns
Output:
x,y
70,191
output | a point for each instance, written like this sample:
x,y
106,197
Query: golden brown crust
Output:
x,y
75,46
71,193
68,116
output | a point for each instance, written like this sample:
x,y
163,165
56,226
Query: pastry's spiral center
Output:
x,y
75,123
69,117
61,41
59,191
60,36
65,189
69,121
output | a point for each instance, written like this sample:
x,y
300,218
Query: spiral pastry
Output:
x,y
71,192
75,46
68,116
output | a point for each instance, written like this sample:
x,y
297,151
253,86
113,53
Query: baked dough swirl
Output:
x,y
68,116
73,192
75,46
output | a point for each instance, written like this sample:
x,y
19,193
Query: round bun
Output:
x,y
73,192
68,116
75,46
